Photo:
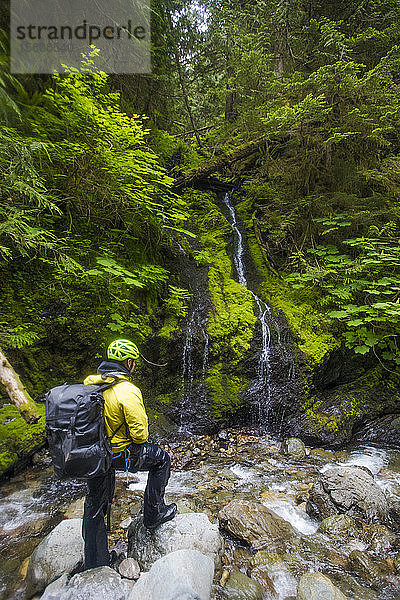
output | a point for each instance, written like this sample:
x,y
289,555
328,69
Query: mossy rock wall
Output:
x,y
18,440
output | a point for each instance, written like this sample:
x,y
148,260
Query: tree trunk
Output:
x,y
202,172
17,392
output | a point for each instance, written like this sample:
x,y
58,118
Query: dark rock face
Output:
x,y
384,430
347,490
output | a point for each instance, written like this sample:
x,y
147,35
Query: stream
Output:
x,y
208,472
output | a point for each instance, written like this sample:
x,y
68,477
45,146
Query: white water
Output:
x,y
19,509
372,458
295,516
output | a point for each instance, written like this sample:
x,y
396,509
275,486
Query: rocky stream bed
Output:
x,y
258,520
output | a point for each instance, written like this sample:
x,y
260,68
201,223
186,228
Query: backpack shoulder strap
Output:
x,y
106,385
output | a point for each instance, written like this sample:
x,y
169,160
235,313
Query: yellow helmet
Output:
x,y
122,349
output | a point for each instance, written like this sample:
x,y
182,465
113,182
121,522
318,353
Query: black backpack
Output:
x,y
74,426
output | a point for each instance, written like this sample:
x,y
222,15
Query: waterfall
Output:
x,y
187,376
264,315
192,405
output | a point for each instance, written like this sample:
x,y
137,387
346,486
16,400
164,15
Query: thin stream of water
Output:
x,y
264,314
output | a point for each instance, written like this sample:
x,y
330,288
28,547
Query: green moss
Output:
x,y
231,324
367,397
17,438
171,326
310,327
224,390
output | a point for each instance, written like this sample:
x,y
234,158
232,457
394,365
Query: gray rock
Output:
x,y
53,590
293,448
241,587
347,490
180,575
60,552
125,523
256,525
315,586
188,531
129,568
102,583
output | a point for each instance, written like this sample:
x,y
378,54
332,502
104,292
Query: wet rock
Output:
x,y
380,538
256,525
102,583
180,575
293,448
347,490
281,570
239,557
371,570
191,531
60,552
315,586
129,568
383,431
241,587
260,574
339,527
394,515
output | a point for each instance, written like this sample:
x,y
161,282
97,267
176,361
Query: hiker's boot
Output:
x,y
167,514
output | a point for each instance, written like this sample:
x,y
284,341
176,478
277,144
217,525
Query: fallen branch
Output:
x,y
219,163
17,392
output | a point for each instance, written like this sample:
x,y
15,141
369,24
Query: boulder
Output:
x,y
60,552
347,490
315,586
255,524
339,527
241,587
52,591
374,571
102,583
180,575
293,448
191,531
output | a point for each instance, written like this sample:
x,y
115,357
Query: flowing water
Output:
x,y
264,314
208,473
195,351
30,506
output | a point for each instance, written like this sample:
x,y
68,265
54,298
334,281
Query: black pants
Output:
x,y
100,490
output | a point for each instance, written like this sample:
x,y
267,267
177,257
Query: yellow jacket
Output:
x,y
123,403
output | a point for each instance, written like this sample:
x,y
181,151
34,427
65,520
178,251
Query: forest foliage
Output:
x,y
88,161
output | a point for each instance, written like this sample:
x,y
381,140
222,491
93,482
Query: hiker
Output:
x,y
126,425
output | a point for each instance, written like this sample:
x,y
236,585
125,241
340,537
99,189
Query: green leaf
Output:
x,y
361,349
